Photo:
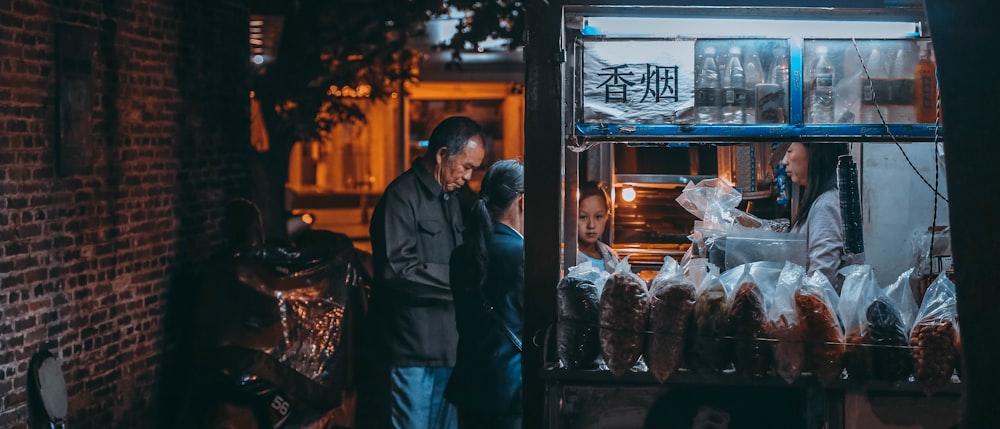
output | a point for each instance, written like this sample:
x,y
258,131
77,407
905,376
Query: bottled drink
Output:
x,y
778,75
903,110
821,102
781,185
875,89
754,77
734,100
706,91
926,87
848,91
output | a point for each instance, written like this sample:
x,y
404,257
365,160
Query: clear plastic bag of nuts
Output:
x,y
934,338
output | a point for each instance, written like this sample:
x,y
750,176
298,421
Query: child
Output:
x,y
595,207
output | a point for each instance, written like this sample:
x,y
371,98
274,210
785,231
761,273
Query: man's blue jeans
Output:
x,y
418,399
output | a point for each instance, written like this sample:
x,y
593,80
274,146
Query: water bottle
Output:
x,y
821,102
926,87
903,110
781,185
778,76
706,91
734,100
754,78
875,90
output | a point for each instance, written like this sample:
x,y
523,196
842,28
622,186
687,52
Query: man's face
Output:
x,y
452,172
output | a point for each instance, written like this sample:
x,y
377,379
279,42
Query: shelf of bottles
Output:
x,y
858,90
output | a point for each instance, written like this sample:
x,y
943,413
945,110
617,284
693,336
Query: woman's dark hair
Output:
x,y
502,184
453,133
594,189
822,174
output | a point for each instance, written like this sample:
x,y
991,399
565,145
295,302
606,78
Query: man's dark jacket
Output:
x,y
414,228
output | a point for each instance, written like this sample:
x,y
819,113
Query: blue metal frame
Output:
x,y
755,132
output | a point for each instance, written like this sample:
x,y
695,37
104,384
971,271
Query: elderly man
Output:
x,y
414,228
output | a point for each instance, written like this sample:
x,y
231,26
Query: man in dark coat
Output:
x,y
415,226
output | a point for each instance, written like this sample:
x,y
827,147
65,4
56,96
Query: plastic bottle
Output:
x,y
754,77
926,87
706,91
903,110
821,102
778,75
781,185
878,72
734,99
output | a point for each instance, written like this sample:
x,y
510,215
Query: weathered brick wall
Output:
x,y
89,263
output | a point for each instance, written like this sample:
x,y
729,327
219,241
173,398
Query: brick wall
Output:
x,y
91,262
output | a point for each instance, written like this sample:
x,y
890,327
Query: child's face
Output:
x,y
593,217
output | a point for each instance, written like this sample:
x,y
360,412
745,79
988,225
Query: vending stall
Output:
x,y
683,114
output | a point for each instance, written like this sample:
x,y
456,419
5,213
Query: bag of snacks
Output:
x,y
623,318
934,336
578,294
856,294
708,349
901,294
748,327
785,325
816,300
671,302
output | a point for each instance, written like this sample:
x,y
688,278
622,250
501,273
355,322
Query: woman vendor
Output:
x,y
813,166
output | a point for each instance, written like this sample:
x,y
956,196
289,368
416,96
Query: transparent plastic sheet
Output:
x,y
785,324
745,246
311,292
922,255
856,294
672,298
709,351
752,354
623,318
577,336
313,327
817,301
935,336
315,320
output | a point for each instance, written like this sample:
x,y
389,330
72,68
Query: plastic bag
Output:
x,y
824,344
747,325
577,335
887,337
709,195
785,324
856,294
672,299
708,350
900,293
745,246
934,337
623,318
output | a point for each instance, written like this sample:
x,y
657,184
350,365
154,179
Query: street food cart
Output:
x,y
640,112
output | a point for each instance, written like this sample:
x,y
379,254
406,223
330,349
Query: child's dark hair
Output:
x,y
594,189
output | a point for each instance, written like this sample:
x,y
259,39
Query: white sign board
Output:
x,y
638,81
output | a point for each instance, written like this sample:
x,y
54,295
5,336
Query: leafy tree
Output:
x,y
333,50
